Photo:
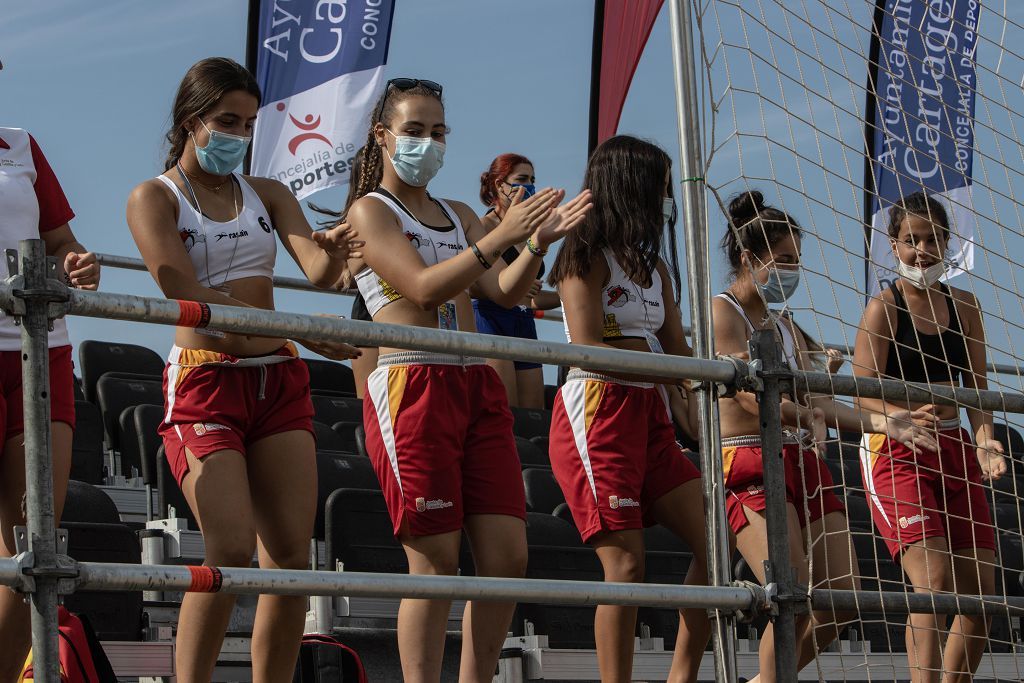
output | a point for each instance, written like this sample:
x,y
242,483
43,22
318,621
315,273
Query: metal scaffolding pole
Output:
x,y
778,570
691,162
30,286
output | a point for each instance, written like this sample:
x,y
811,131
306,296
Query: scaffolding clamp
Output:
x,y
760,604
55,293
65,569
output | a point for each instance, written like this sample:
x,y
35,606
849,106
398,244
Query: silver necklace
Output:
x,y
206,235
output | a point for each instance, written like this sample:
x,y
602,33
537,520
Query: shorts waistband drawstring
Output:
x,y
263,382
426,358
578,374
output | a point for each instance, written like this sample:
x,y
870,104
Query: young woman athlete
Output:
x,y
33,205
238,424
763,249
438,426
523,380
612,443
930,507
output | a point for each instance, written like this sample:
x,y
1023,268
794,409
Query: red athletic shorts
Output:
x,y
217,402
62,391
613,451
809,485
439,434
914,497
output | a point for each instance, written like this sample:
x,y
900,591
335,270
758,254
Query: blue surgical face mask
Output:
x,y
223,152
529,189
781,285
417,160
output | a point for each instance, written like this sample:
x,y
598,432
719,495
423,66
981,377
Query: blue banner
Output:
x,y
921,121
320,65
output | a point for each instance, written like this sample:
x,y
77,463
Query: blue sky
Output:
x,y
94,83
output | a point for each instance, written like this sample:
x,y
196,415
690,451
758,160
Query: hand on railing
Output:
x,y
331,349
915,429
82,270
991,459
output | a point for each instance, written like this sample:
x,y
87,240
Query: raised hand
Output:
x,y
82,270
563,219
339,242
524,216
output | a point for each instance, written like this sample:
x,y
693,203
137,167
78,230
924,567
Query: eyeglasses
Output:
x,y
406,84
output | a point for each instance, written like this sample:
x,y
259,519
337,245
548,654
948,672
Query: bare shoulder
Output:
x,y
965,297
462,210
152,194
370,213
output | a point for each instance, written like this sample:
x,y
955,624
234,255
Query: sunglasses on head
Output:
x,y
406,84
410,83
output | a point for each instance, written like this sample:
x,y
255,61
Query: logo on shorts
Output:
x,y
755,490
614,502
916,519
423,505
203,427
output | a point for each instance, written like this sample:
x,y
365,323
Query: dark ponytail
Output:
x,y
754,226
204,84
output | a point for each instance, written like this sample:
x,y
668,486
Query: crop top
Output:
x,y
221,252
786,334
918,357
630,311
434,244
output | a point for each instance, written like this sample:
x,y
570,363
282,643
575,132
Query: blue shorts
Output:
x,y
506,322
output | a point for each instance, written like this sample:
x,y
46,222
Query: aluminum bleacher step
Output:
x,y
131,502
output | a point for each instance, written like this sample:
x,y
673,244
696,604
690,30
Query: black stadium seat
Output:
x,y
87,445
117,391
169,493
98,357
95,534
530,455
147,418
339,471
556,552
360,534
542,491
330,376
326,438
529,423
332,409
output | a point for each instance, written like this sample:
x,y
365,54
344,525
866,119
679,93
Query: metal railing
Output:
x,y
36,298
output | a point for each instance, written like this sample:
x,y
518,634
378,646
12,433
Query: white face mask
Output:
x,y
921,278
668,207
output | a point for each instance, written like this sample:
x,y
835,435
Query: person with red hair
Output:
x,y
524,381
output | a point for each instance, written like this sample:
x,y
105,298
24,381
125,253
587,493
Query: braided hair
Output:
x,y
371,161
754,226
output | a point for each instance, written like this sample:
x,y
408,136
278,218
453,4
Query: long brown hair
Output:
x,y
371,161
627,178
204,84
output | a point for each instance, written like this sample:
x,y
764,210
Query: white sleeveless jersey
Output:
x,y
788,342
629,309
221,252
433,244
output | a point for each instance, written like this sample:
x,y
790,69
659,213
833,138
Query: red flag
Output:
x,y
625,28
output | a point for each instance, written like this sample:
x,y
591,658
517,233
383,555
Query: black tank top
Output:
x,y
918,357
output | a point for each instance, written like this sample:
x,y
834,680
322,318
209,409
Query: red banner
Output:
x,y
627,25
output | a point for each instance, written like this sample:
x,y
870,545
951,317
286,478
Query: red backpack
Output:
x,y
81,657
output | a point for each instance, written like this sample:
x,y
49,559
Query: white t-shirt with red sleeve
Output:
x,y
31,203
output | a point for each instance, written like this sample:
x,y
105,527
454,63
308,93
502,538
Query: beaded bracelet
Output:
x,y
480,257
532,247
